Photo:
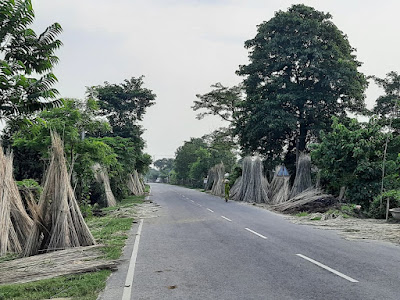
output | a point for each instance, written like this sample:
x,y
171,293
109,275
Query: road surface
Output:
x,y
203,248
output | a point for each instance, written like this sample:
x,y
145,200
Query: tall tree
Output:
x,y
124,104
387,107
302,71
23,54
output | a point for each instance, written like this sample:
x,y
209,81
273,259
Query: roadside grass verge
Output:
x,y
111,231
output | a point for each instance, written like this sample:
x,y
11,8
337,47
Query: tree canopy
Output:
x,y
302,71
23,55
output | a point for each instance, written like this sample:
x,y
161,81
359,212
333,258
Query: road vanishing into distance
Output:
x,y
203,248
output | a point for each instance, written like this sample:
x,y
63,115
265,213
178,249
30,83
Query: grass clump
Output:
x,y
302,214
82,286
110,230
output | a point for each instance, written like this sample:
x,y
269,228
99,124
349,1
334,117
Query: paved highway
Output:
x,y
203,248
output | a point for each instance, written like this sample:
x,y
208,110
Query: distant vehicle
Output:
x,y
158,180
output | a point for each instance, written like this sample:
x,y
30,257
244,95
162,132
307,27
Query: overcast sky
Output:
x,y
183,47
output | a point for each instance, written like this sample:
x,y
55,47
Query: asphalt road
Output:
x,y
203,248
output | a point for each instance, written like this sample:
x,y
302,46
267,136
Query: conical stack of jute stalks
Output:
x,y
252,185
302,181
15,223
102,178
59,223
218,187
279,188
135,185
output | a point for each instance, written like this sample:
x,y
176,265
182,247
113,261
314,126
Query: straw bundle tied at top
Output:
x,y
135,185
61,223
218,187
102,178
15,223
302,180
252,185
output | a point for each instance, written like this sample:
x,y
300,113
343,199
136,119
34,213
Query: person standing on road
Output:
x,y
227,189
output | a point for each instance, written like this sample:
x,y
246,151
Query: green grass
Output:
x,y
112,231
316,218
302,214
83,286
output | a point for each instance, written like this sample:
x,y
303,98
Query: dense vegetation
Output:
x,y
102,128
301,82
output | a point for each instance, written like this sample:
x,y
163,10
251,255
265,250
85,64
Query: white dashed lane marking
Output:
x,y
256,233
327,268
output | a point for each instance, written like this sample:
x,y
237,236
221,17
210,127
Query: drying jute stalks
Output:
x,y
58,222
279,188
135,185
53,264
15,223
218,187
252,186
302,180
101,176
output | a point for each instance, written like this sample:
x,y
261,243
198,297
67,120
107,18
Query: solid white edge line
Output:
x,y
131,270
210,210
226,218
256,233
327,268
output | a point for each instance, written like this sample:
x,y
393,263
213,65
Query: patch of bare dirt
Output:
x,y
147,209
353,228
349,228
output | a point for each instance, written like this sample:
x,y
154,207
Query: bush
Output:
x,y
378,210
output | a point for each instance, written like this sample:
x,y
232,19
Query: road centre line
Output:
x,y
132,264
210,210
327,268
192,201
226,218
256,233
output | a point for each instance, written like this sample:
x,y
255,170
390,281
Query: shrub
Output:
x,y
378,210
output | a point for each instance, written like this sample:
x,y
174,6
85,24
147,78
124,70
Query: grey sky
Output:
x,y
182,47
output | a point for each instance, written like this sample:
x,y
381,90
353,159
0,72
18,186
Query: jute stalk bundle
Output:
x,y
15,223
304,198
102,178
211,176
218,187
135,185
252,186
53,264
59,223
279,188
302,180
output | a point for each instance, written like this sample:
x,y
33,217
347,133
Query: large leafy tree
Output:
x,y
124,105
197,156
27,60
302,71
351,156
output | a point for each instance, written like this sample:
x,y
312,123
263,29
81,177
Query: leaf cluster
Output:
x,y
25,53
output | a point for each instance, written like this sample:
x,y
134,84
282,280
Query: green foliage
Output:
x,y
302,214
124,104
24,53
301,73
71,119
164,166
378,206
222,101
82,286
351,155
194,159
